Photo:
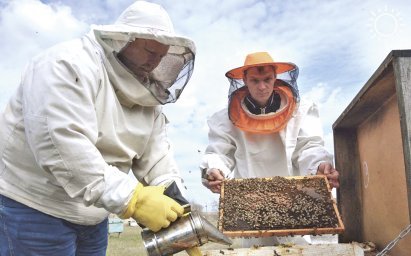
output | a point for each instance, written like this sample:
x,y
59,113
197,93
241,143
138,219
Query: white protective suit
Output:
x,y
296,150
79,122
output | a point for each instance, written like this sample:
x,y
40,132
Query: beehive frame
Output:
x,y
283,232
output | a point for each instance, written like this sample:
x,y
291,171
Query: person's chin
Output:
x,y
142,76
263,98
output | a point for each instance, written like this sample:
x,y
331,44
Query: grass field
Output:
x,y
127,243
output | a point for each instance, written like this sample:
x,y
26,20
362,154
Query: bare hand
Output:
x,y
332,174
214,179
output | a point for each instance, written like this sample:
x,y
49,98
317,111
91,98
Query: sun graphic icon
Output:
x,y
385,22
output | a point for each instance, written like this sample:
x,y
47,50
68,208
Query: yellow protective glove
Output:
x,y
194,251
150,207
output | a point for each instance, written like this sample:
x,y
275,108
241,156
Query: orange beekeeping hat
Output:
x,y
259,59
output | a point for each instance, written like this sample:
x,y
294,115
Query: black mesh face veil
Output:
x,y
288,79
167,81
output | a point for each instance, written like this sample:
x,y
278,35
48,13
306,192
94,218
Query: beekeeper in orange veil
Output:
x,y
266,130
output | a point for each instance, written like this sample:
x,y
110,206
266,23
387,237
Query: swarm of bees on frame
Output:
x,y
276,203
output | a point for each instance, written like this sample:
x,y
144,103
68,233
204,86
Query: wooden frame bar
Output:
x,y
284,232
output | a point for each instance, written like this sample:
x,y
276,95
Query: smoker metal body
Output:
x,y
188,231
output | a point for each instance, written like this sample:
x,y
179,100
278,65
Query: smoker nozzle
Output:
x,y
212,233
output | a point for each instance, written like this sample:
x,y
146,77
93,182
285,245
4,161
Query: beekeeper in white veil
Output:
x,y
86,113
265,131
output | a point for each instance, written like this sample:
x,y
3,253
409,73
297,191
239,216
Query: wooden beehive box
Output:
x,y
372,139
278,206
292,250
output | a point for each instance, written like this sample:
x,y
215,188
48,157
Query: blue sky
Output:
x,y
336,44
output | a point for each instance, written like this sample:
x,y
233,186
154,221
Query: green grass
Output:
x,y
127,243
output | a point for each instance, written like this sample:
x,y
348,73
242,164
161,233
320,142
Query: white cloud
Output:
x,y
27,27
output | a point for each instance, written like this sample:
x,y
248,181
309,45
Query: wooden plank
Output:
x,y
349,194
292,250
384,190
284,232
402,70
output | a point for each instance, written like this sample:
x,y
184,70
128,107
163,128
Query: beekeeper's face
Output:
x,y
142,56
260,83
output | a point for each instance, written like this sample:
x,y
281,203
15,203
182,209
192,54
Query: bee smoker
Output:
x,y
186,232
